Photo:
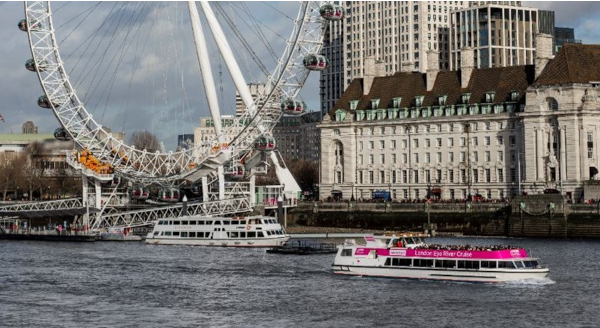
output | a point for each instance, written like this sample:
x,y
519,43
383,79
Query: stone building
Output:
x,y
492,132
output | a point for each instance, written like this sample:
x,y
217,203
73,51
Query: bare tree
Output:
x,y
11,171
145,140
306,174
267,179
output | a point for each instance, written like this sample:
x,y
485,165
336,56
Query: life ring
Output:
x,y
247,227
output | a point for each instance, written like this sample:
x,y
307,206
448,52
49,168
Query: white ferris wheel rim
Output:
x,y
138,165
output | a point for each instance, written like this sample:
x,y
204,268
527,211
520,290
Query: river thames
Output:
x,y
104,284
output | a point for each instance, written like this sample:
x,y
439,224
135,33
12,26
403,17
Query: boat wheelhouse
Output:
x,y
407,256
251,231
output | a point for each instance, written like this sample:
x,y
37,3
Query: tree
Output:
x,y
306,174
11,171
145,140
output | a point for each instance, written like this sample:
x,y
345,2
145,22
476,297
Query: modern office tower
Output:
x,y
396,33
501,35
564,35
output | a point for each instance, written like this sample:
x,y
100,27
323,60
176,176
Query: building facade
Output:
x,y
500,34
297,137
492,132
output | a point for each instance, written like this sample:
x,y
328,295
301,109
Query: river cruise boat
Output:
x,y
251,231
407,256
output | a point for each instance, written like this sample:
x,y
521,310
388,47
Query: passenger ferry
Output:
x,y
251,231
407,256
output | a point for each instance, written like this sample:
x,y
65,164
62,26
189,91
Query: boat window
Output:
x,y
243,234
530,264
488,264
405,262
193,222
175,233
519,264
192,234
176,222
445,263
226,222
217,223
156,233
235,222
184,222
184,234
506,265
251,234
161,222
233,234
387,261
265,233
348,252
466,264
167,233
201,222
424,263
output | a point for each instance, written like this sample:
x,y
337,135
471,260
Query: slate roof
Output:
x,y
574,63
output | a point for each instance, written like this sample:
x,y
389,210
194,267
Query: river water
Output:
x,y
130,284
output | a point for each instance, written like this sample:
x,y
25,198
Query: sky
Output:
x,y
145,90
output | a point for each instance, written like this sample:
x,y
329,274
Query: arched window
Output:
x,y
552,103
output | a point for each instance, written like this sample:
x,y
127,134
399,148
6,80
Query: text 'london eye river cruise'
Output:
x,y
407,256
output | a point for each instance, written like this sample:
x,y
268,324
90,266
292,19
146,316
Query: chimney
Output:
x,y
408,67
373,69
467,64
433,68
543,52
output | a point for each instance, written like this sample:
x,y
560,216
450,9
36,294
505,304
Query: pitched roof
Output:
x,y
572,64
501,80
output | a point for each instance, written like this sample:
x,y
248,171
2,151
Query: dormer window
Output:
x,y
419,101
489,96
353,104
340,115
466,97
375,103
442,100
396,102
360,115
514,95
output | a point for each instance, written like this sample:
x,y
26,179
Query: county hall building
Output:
x,y
489,133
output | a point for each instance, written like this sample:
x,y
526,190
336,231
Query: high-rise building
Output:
x,y
564,35
297,137
500,34
396,33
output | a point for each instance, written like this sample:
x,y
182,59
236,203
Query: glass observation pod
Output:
x,y
61,134
36,26
31,66
265,143
138,192
235,172
292,106
45,103
332,12
168,195
316,62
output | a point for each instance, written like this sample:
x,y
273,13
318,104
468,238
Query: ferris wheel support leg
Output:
x,y
252,190
205,197
206,70
221,182
291,188
232,65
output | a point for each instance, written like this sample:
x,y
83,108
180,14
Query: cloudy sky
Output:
x,y
157,89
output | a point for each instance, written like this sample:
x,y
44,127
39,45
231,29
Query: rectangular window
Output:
x,y
393,145
451,175
451,157
360,145
360,159
427,158
463,156
450,142
404,158
404,143
438,157
475,175
513,155
382,159
500,156
513,140
370,158
416,177
513,175
381,144
500,141
487,141
462,142
371,177
371,144
500,175
590,144
488,156
427,143
381,176
404,176
475,141
416,156
415,143
439,142
488,176
393,158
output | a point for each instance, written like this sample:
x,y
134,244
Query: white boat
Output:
x,y
251,231
407,256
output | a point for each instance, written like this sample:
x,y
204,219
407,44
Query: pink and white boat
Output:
x,y
406,256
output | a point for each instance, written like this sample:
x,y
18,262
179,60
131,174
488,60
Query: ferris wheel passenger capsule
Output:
x,y
315,62
36,26
30,65
265,143
61,134
332,12
292,106
45,103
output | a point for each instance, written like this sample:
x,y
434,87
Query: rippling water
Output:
x,y
103,284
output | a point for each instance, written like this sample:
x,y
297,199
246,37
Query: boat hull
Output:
x,y
263,242
496,275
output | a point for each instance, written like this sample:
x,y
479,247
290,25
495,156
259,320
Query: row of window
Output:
x,y
436,175
460,264
450,159
430,128
230,234
462,142
217,222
